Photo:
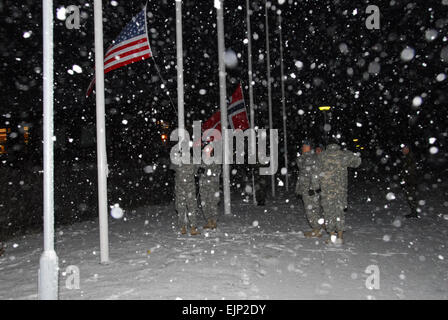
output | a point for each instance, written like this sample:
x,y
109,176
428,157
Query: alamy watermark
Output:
x,y
373,20
71,15
73,277
256,147
373,280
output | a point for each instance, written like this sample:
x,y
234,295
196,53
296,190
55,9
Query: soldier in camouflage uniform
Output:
x,y
185,193
308,187
333,163
209,190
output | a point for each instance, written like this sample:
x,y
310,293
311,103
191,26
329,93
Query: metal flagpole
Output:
x,y
268,63
223,104
48,263
285,142
251,90
180,75
180,71
101,132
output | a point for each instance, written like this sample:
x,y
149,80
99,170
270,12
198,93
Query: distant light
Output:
x,y
355,140
164,137
324,108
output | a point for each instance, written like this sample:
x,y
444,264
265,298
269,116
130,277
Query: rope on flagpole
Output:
x,y
154,60
164,84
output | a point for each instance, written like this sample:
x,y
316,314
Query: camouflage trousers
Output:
x,y
333,206
312,210
209,201
186,206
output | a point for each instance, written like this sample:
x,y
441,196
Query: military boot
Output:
x,y
211,224
335,238
183,230
332,238
315,233
340,238
194,231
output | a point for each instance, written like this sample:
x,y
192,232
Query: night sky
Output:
x,y
330,58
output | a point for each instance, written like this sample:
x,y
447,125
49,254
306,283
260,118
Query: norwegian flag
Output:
x,y
236,113
131,45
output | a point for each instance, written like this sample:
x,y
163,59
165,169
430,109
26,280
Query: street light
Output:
x,y
324,109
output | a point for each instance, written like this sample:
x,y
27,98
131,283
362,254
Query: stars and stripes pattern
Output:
x,y
131,45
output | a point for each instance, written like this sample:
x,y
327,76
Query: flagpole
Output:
x,y
48,263
268,63
251,90
223,105
285,142
101,132
180,71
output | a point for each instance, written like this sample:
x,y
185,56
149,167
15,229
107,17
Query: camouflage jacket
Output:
x,y
185,173
333,164
308,178
210,176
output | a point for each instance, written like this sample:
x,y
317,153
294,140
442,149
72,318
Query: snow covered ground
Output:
x,y
259,253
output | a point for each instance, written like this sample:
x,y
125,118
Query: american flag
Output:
x,y
132,45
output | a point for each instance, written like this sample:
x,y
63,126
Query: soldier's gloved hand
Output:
x,y
311,193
